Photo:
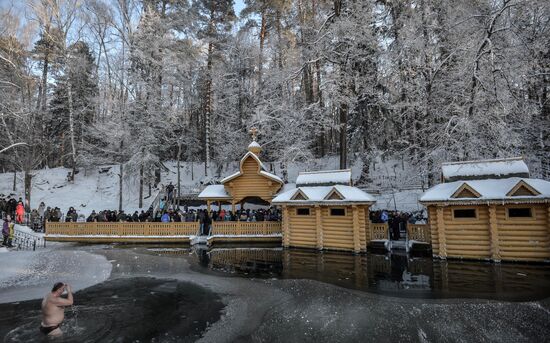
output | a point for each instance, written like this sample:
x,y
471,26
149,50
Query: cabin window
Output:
x,y
302,211
337,211
469,213
520,212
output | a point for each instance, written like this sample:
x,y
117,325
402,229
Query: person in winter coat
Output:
x,y
121,217
11,205
6,230
12,233
20,212
92,217
165,218
41,209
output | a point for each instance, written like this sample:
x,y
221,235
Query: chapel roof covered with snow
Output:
x,y
214,192
513,189
484,169
326,195
324,178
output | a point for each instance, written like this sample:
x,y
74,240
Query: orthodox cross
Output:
x,y
254,132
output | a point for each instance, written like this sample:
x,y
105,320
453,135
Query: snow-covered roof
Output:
x,y
469,170
262,169
324,178
214,192
490,189
322,194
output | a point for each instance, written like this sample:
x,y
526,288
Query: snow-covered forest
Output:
x,y
139,82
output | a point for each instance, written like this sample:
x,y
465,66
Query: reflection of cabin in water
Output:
x,y
251,182
325,211
489,210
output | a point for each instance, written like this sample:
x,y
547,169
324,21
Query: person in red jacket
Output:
x,y
19,213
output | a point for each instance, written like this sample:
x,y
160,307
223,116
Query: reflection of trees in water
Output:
x,y
393,273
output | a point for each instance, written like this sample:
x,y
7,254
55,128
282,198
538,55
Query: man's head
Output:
x,y
58,288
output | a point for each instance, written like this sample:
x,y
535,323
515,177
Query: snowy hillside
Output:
x,y
97,188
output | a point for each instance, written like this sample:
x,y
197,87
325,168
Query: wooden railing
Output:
x,y
379,231
419,232
246,228
122,229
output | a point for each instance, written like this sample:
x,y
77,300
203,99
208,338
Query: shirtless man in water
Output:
x,y
53,309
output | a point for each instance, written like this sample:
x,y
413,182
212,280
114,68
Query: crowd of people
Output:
x,y
13,208
167,212
397,221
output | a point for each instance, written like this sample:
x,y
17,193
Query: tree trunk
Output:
x,y
140,187
208,110
263,30
44,83
179,172
71,128
120,175
14,179
28,185
343,136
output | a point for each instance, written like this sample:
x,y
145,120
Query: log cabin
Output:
x,y
325,211
489,210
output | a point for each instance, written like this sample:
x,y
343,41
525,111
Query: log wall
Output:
x,y
492,234
321,230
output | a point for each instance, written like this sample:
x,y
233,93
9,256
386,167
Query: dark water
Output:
x,y
121,310
392,274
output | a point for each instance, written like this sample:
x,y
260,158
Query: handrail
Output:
x,y
25,240
419,232
246,228
122,229
379,231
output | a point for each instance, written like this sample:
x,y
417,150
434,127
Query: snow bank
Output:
x,y
30,275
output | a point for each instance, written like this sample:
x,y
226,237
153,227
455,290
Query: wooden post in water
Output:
x,y
286,231
493,233
319,227
441,233
356,237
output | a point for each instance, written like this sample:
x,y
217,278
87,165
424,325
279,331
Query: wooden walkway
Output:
x,y
154,232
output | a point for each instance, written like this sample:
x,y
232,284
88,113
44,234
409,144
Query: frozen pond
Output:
x,y
394,274
266,294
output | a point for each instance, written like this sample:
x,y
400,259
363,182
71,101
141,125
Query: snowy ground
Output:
x,y
28,275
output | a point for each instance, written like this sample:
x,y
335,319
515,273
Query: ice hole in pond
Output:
x,y
144,309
